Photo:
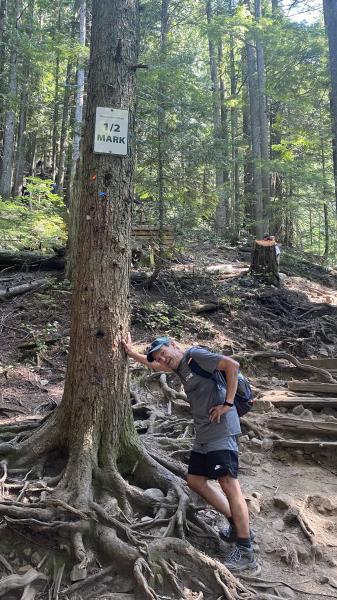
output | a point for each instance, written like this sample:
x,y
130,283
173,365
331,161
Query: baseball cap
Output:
x,y
156,345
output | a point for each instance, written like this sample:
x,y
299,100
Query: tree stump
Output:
x,y
264,262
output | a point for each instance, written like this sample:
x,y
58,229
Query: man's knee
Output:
x,y
196,483
229,483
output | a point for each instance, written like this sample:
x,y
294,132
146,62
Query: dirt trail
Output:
x,y
300,318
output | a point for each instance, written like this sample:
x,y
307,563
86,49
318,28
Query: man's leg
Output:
x,y
206,490
237,504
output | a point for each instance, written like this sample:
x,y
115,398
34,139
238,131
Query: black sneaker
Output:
x,y
241,559
229,535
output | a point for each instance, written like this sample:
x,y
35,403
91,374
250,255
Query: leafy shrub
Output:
x,y
35,221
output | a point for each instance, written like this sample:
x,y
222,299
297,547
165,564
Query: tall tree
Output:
x,y
9,124
330,17
263,120
24,106
73,199
255,133
219,124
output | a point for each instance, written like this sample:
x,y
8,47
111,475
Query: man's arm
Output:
x,y
141,358
231,369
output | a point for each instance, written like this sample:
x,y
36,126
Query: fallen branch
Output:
x,y
310,446
31,286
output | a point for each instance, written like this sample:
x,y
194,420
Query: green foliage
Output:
x,y
165,318
33,222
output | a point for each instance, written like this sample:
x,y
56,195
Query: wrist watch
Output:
x,y
228,403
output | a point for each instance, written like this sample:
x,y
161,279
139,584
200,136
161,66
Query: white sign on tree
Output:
x,y
111,131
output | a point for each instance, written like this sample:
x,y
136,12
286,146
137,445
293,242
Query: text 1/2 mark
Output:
x,y
113,127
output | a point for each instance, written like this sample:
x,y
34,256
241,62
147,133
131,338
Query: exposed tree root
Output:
x,y
16,582
325,375
92,509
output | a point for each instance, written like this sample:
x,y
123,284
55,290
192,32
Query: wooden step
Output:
x,y
298,444
306,401
300,426
313,387
323,363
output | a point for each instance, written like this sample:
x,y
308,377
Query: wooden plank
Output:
x,y
300,426
115,596
304,445
150,229
323,363
313,387
290,401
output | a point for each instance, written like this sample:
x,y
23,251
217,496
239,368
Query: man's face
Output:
x,y
170,356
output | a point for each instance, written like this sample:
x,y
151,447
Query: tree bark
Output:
x,y
3,11
263,121
161,134
56,101
21,137
59,179
9,128
255,130
264,264
330,18
248,190
221,210
235,174
73,188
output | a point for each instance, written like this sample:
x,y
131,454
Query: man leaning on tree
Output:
x,y
215,451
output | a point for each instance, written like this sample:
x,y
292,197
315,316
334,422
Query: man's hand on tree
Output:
x,y
217,411
127,343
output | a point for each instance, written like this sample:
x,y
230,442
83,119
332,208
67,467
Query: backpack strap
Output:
x,y
195,368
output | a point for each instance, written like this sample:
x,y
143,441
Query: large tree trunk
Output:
x,y
263,121
161,143
54,139
248,190
235,174
73,187
21,138
330,17
95,408
59,179
255,130
9,127
221,210
3,6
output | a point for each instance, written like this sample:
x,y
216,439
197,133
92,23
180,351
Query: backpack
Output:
x,y
244,394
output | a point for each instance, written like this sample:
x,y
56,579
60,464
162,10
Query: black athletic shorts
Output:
x,y
214,464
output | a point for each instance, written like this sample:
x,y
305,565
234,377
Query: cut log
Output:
x,y
301,426
313,387
31,260
264,263
311,446
307,402
31,286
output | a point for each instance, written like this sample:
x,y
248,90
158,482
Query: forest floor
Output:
x,y
206,297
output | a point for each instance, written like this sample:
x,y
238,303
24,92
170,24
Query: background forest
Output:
x,y
234,126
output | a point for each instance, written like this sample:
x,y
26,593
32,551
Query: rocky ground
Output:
x,y
206,297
